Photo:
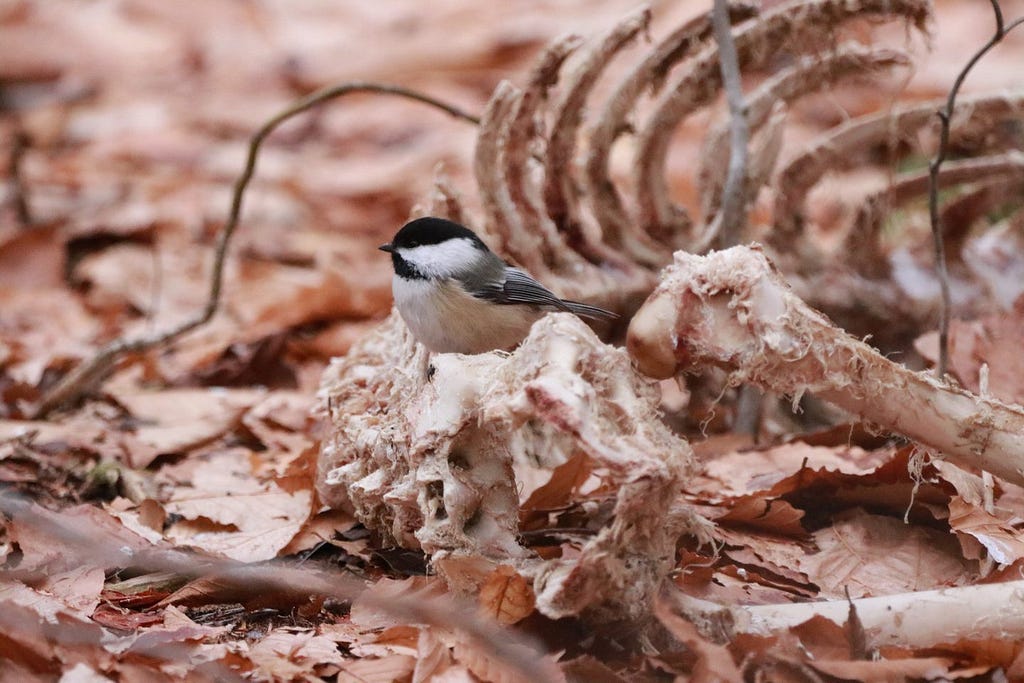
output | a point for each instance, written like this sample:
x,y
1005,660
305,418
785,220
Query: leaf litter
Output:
x,y
125,517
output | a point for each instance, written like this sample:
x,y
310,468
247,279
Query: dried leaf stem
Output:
x,y
945,115
730,221
88,374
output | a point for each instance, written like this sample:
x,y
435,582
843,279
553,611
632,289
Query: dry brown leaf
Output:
x,y
1001,541
32,529
32,259
455,674
714,663
929,668
47,607
31,646
174,421
367,615
336,339
288,590
872,555
78,588
995,341
433,658
506,596
747,471
771,515
321,528
119,619
81,433
289,656
284,424
556,491
41,328
165,283
146,519
768,555
589,668
487,667
887,487
251,521
381,670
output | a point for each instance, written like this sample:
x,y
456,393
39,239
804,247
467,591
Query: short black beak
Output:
x,y
387,247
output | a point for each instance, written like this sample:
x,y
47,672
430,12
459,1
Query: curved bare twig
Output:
x,y
945,115
88,374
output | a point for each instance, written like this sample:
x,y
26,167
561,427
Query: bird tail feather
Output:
x,y
588,311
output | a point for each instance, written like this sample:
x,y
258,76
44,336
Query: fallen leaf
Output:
x,y
175,421
78,588
432,657
251,520
284,655
366,612
486,666
994,341
120,619
562,482
1002,542
872,555
928,668
41,329
380,670
714,663
44,538
506,596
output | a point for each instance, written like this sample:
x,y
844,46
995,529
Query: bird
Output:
x,y
457,296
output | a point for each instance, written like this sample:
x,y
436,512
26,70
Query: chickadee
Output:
x,y
456,295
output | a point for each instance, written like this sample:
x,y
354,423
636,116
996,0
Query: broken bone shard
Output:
x,y
427,459
732,309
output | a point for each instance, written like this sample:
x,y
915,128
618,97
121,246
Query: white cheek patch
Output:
x,y
443,260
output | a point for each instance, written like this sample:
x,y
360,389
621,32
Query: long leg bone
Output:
x,y
732,309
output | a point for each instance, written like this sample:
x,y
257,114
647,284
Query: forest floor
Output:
x,y
131,517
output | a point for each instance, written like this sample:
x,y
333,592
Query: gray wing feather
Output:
x,y
520,288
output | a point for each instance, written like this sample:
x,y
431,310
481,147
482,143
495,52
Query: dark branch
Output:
x,y
945,117
728,225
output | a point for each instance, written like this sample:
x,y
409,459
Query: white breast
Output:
x,y
445,319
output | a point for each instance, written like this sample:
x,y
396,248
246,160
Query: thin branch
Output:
x,y
648,76
88,374
729,222
945,117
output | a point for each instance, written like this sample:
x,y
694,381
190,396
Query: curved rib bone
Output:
x,y
814,22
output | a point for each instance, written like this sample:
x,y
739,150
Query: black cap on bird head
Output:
x,y
430,230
